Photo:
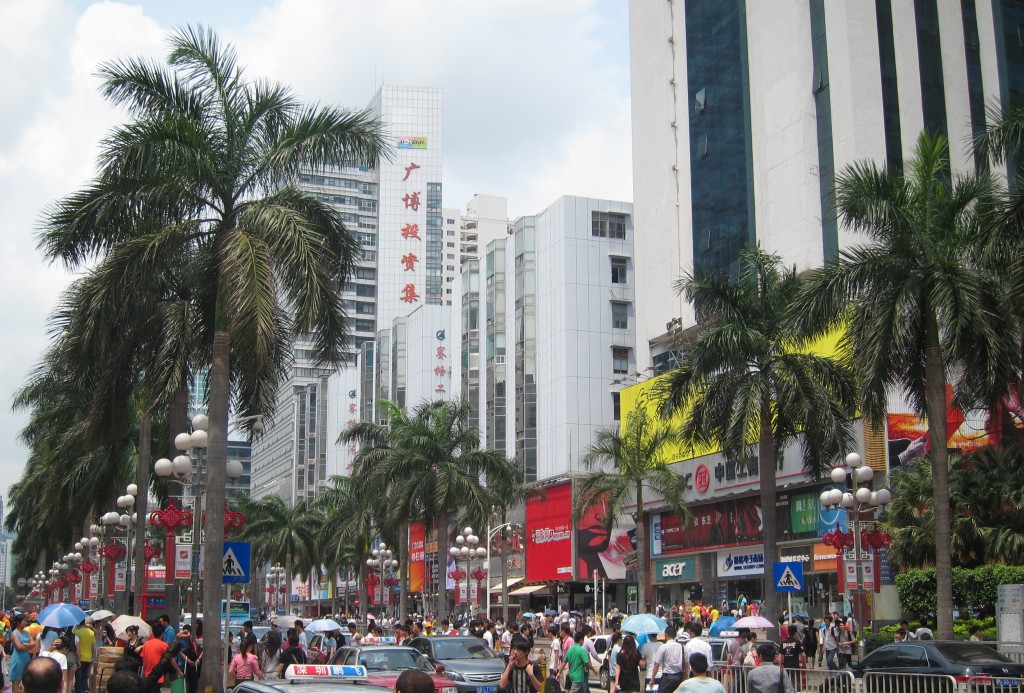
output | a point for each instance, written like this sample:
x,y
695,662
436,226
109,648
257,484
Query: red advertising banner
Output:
x,y
549,535
417,555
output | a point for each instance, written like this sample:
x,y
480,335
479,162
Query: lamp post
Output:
x,y
857,499
383,558
276,581
504,597
467,547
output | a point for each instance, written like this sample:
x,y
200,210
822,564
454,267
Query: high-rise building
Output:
x,y
395,211
744,112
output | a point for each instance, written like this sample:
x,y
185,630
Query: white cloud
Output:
x,y
536,106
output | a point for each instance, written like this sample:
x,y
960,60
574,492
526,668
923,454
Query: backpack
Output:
x,y
810,641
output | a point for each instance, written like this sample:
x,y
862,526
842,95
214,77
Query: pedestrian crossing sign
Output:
x,y
789,576
236,562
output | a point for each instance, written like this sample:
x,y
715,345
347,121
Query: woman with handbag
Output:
x,y
245,666
22,644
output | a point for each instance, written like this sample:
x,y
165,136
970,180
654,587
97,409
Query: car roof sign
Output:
x,y
322,672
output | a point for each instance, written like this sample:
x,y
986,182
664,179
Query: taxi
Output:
x,y
315,678
384,660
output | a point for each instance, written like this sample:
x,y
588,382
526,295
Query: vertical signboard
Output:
x,y
417,544
549,535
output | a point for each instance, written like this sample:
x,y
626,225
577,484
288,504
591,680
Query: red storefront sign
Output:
x,y
549,535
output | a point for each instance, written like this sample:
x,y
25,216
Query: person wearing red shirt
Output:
x,y
152,651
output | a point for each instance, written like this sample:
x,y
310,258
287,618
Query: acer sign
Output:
x,y
549,535
676,570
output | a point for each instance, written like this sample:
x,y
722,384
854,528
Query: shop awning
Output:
x,y
528,589
496,587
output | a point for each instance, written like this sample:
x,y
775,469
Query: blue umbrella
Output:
x,y
529,614
644,623
720,624
61,616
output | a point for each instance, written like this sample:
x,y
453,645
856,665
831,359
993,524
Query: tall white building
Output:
x,y
395,211
743,112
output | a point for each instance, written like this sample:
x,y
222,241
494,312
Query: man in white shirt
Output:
x,y
696,643
58,653
506,638
488,636
300,630
669,662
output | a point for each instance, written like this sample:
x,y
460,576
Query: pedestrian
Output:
x,y
58,653
793,658
577,663
293,654
614,647
700,682
414,681
21,651
844,644
977,634
555,654
300,630
86,648
810,642
831,644
669,661
519,675
42,675
628,664
767,677
696,644
190,660
246,665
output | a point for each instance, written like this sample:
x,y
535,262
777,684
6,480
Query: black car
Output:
x,y
885,667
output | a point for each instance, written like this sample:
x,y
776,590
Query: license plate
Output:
x,y
487,689
1006,683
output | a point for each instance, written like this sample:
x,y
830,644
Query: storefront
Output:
x,y
676,581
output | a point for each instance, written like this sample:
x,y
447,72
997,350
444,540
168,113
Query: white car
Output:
x,y
602,661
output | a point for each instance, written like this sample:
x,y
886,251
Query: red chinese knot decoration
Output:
x,y
171,518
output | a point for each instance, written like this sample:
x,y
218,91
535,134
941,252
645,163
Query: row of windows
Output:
x,y
311,372
608,225
337,182
347,200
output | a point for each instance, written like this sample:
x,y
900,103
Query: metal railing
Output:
x,y
893,682
734,679
989,684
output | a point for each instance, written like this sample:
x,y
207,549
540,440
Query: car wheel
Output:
x,y
604,679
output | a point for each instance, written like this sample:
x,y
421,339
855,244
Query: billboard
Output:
x,y
610,553
417,543
549,535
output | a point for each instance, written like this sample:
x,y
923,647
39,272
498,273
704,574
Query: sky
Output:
x,y
536,105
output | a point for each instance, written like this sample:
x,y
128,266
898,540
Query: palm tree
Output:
x,y
639,456
745,380
916,306
280,533
202,170
431,464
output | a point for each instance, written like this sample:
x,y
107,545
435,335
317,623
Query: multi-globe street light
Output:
x,y
467,549
857,499
382,559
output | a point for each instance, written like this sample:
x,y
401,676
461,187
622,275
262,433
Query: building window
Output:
x,y
615,406
366,290
449,221
620,315
608,225
620,360
364,308
700,102
618,270
366,273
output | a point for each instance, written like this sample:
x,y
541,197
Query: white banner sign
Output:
x,y
120,579
737,562
182,562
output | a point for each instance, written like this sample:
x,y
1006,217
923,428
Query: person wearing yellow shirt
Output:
x,y
714,615
86,645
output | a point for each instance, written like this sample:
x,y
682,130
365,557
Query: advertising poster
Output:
x,y
612,553
417,552
907,433
740,562
120,579
549,535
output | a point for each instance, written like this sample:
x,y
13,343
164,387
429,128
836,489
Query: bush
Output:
x,y
975,590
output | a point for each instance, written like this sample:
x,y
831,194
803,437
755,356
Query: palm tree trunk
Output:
x,y
935,399
288,582
769,521
142,508
211,679
403,568
442,564
364,606
641,551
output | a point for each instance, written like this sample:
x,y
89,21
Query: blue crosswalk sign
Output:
x,y
788,576
237,560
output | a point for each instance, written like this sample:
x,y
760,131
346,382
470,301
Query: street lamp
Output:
x,y
382,560
857,499
467,549
276,581
504,597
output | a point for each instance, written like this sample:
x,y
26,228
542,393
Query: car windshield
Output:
x,y
462,648
394,659
970,653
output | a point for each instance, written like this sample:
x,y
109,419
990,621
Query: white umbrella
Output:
x,y
323,625
101,614
284,621
121,623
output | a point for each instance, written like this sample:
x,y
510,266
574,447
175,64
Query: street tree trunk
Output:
x,y
211,678
142,508
641,551
403,570
767,464
178,422
442,565
935,400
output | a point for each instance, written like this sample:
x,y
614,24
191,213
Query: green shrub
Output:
x,y
975,590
